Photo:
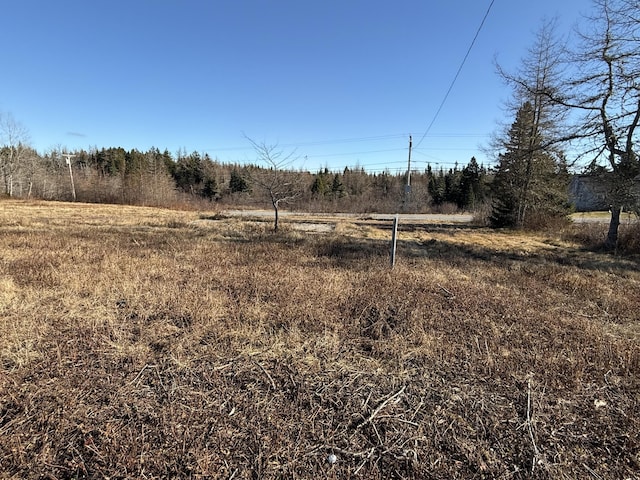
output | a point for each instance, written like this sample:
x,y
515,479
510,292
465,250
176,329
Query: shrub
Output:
x,y
629,239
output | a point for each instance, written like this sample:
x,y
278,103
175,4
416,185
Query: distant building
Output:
x,y
588,193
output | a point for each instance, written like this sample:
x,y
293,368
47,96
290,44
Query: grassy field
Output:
x,y
147,343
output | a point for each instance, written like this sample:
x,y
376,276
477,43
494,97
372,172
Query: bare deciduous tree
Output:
x,y
14,148
606,90
538,81
275,175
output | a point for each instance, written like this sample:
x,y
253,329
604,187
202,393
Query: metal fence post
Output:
x,y
394,237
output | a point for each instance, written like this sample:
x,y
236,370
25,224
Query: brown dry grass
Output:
x,y
146,343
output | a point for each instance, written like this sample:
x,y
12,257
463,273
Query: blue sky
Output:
x,y
341,82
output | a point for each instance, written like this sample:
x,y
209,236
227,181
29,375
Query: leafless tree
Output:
x,y
31,169
606,91
538,80
158,188
275,176
14,148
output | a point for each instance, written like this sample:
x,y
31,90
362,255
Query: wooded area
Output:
x,y
154,177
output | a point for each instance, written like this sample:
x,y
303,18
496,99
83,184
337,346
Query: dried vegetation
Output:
x,y
146,343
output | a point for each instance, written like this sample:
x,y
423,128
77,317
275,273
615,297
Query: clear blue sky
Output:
x,y
343,82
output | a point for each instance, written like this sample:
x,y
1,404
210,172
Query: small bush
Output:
x,y
589,235
544,222
629,238
177,224
592,236
446,208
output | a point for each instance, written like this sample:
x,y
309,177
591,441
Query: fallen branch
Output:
x,y
146,365
381,406
592,472
273,384
448,293
530,428
364,462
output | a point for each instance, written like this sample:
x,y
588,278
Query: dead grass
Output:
x,y
145,343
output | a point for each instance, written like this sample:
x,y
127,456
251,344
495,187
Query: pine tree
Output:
x,y
237,182
320,186
471,185
337,188
529,177
210,188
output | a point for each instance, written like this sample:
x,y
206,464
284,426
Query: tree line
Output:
x,y
155,177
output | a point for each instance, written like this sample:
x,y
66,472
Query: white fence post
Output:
x,y
394,237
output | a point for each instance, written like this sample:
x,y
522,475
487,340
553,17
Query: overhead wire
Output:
x,y
436,115
394,136
455,78
355,140
369,166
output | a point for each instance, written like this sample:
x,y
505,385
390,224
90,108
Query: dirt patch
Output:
x,y
313,227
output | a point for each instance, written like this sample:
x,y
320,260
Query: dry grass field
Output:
x,y
147,343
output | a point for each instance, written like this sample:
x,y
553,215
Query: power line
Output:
x,y
464,60
366,152
390,136
355,162
312,143
346,140
395,166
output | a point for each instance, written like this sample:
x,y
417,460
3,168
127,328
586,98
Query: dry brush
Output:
x,y
144,343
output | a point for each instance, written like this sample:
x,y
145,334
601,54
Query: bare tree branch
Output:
x,y
14,146
275,175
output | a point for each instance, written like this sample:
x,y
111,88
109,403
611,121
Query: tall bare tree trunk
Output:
x,y
611,242
275,209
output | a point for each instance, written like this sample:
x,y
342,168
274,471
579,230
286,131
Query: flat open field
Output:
x,y
147,343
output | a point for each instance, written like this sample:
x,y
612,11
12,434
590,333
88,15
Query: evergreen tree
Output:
x,y
210,188
237,182
337,188
529,177
383,182
471,185
111,161
189,172
452,186
436,187
320,186
356,181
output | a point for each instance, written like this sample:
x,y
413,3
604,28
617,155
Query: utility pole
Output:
x,y
68,157
407,187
